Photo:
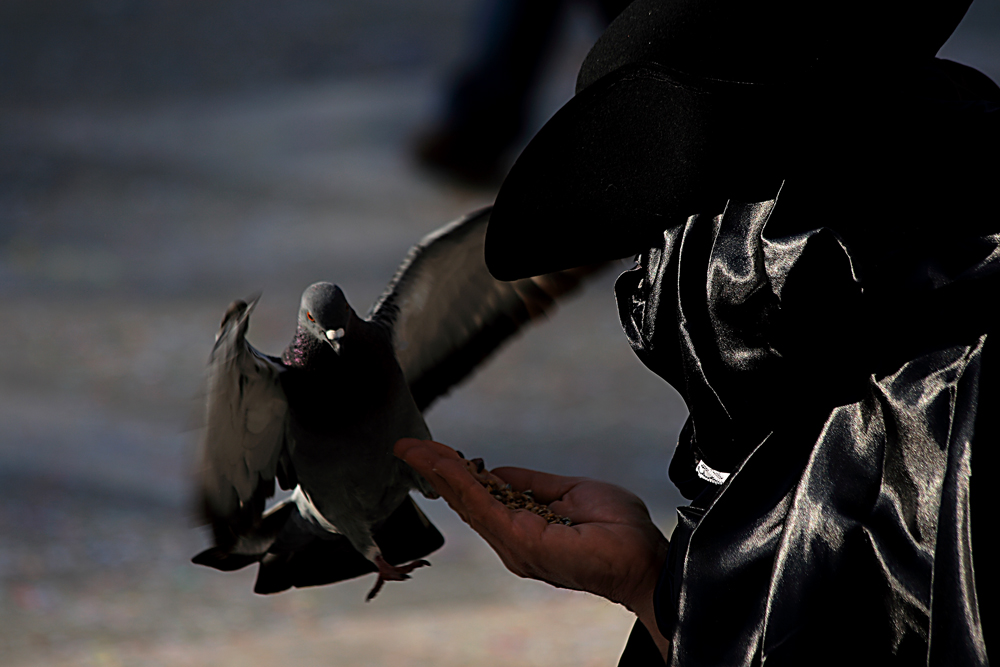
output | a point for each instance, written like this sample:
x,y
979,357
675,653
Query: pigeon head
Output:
x,y
325,314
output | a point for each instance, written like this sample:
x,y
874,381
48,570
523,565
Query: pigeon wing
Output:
x,y
448,314
243,448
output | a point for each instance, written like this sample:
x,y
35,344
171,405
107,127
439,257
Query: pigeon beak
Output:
x,y
334,336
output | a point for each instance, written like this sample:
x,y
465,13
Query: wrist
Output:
x,y
642,601
646,613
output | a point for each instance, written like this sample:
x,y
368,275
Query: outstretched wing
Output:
x,y
244,441
448,314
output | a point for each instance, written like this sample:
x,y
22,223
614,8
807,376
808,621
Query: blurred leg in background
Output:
x,y
489,101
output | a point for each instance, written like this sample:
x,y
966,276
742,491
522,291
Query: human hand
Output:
x,y
613,549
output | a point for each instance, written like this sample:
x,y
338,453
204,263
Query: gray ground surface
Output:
x,y
159,158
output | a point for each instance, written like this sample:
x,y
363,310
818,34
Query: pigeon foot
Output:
x,y
388,572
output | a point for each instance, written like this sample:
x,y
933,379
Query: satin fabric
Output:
x,y
846,427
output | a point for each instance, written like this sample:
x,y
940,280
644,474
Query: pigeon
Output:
x,y
322,419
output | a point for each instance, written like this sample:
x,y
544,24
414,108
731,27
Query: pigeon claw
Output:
x,y
388,572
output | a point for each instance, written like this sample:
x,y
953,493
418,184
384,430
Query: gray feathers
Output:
x,y
245,422
448,314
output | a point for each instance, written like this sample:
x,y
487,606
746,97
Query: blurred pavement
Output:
x,y
159,158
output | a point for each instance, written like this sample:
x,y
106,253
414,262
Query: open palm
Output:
x,y
613,549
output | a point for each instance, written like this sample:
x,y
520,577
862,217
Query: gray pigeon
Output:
x,y
324,417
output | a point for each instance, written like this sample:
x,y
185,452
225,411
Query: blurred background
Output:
x,y
160,158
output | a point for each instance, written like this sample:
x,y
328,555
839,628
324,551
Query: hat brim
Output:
x,y
633,153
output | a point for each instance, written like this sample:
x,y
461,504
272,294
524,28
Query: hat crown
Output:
x,y
771,40
683,104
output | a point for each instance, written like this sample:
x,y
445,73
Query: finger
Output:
x,y
424,456
450,476
484,512
406,445
514,535
429,457
545,487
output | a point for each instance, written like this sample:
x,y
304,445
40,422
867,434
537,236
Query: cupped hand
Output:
x,y
613,549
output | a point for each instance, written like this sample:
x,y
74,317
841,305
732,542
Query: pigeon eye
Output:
x,y
310,316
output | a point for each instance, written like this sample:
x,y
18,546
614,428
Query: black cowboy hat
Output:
x,y
685,103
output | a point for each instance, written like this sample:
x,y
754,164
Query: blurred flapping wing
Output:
x,y
448,314
244,439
